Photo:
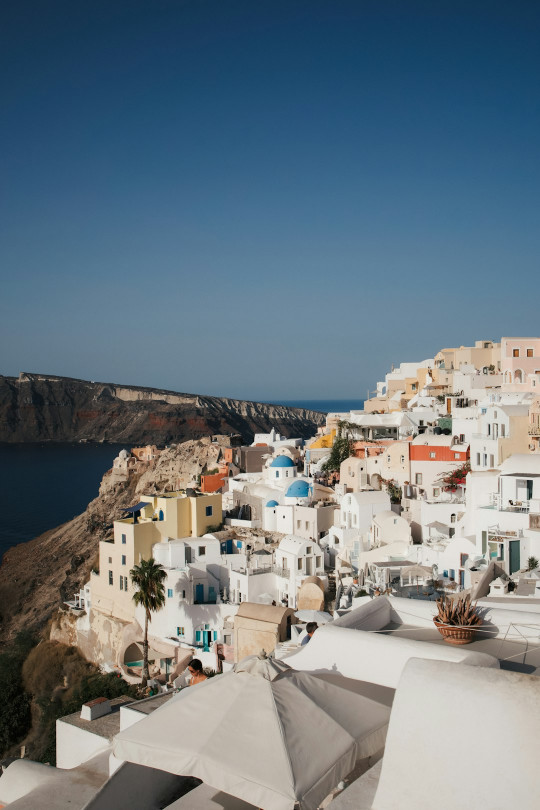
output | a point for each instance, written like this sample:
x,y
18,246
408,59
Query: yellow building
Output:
x,y
322,442
156,519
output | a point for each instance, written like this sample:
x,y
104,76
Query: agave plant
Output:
x,y
458,613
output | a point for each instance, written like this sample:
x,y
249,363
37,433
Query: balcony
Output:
x,y
496,533
507,504
533,430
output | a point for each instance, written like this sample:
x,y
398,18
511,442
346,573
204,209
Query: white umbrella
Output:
x,y
318,616
264,733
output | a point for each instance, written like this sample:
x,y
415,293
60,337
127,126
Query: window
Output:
x,y
121,583
413,387
208,511
433,454
530,353
318,562
110,560
484,461
124,540
418,478
299,564
298,524
125,584
388,459
110,577
179,631
308,548
402,460
503,431
183,594
478,459
277,473
457,455
491,461
421,423
436,492
515,352
202,551
452,518
462,438
123,559
169,593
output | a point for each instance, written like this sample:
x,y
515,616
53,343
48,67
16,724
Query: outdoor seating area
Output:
x,y
509,636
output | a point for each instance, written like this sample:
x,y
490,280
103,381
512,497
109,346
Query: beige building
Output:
x,y
260,627
485,354
156,519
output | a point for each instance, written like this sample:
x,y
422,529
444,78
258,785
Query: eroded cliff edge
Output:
x,y
42,408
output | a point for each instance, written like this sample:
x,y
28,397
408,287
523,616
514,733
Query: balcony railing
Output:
x,y
534,430
263,569
508,504
495,532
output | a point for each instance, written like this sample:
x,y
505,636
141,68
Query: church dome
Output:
x,y
282,461
298,489
272,503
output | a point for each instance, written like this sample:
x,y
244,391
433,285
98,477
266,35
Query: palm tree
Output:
x,y
148,577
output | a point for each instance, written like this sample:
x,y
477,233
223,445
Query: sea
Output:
x,y
45,485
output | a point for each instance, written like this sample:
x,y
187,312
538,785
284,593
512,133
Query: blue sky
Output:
x,y
268,200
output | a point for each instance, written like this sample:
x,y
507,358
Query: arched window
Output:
x,y
161,515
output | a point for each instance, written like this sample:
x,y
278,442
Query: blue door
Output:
x,y
211,594
207,639
199,593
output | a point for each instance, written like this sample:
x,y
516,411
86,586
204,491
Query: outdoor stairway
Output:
x,y
330,595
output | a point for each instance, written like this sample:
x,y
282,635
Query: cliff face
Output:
x,y
36,577
38,408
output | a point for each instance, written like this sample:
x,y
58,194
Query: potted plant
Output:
x,y
457,620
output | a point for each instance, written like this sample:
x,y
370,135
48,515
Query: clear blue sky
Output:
x,y
265,199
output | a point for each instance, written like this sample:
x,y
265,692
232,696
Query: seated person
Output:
x,y
195,668
310,629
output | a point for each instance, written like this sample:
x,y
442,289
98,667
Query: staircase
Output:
x,y
330,596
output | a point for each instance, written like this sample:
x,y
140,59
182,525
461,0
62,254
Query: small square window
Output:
x,y
530,353
208,511
169,593
457,455
515,352
179,631
433,455
202,551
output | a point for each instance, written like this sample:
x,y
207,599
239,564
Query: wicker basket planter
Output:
x,y
456,635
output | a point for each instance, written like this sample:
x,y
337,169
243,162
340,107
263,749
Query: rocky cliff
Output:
x,y
37,408
36,577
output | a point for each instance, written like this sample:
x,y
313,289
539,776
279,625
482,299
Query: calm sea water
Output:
x,y
44,485
326,405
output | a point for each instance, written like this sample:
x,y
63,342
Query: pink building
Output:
x,y
520,358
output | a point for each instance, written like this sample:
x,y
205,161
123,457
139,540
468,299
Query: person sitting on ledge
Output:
x,y
197,674
310,629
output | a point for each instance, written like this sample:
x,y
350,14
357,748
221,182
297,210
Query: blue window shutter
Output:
x,y
215,635
197,635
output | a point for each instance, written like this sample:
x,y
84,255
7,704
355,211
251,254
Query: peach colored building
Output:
x,y
148,453
520,363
